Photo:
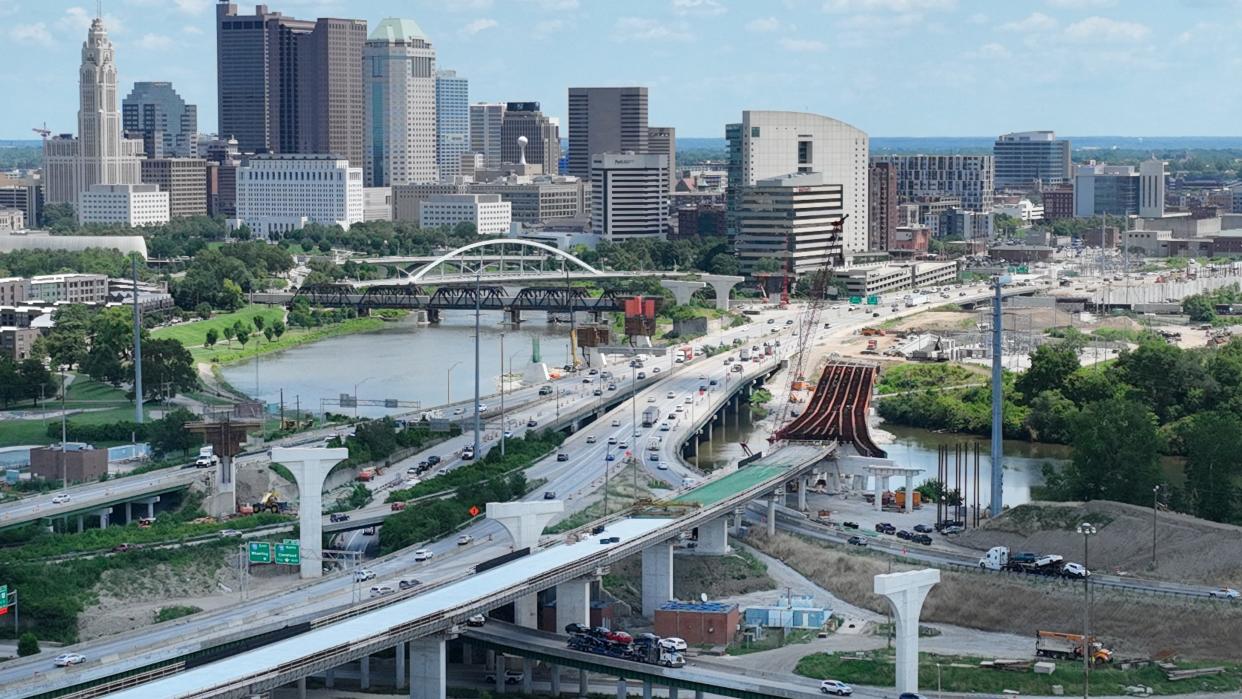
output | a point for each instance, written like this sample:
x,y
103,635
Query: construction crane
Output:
x,y
808,321
44,131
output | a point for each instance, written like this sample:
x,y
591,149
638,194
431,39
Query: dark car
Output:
x,y
850,525
121,548
923,528
576,628
921,539
712,382
549,495
532,423
433,460
885,528
903,534
597,392
408,583
857,541
586,380
642,374
562,456
338,517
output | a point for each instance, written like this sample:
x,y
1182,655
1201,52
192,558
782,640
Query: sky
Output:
x,y
889,67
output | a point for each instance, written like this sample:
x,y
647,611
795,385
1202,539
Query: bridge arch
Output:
x,y
418,276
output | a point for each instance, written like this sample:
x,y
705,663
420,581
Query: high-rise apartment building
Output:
x,y
27,198
970,178
168,127
662,140
452,121
881,205
543,138
793,220
767,144
281,193
183,179
100,154
401,105
223,162
605,120
486,132
629,196
286,85
1027,157
1120,190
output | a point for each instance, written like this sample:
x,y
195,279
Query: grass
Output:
x,y
194,333
21,432
776,638
223,353
176,611
963,674
913,377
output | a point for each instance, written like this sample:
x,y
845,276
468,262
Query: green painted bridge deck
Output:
x,y
747,477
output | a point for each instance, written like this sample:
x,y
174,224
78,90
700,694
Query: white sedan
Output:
x,y
423,555
836,687
1224,593
67,659
61,498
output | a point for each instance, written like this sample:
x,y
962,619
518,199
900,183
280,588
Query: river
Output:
x,y
403,361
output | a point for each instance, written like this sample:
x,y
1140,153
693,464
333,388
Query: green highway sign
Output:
x,y
4,595
289,554
855,299
873,300
294,542
260,552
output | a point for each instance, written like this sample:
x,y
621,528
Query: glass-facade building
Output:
x,y
452,121
1024,158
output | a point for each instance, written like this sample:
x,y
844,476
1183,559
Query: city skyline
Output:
x,y
911,67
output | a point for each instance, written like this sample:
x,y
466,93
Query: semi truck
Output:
x,y
999,558
651,416
915,300
1069,646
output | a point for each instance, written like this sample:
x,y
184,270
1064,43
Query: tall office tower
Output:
x,y
629,196
605,120
791,219
452,121
183,179
1151,188
1027,157
970,178
167,125
662,140
486,123
543,146
1115,190
99,154
774,144
881,205
401,105
286,85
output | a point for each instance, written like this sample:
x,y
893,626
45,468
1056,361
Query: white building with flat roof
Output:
x,y
487,212
629,195
281,193
125,204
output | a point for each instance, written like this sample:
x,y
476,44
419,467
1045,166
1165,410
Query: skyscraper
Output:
x,y
99,155
168,126
452,121
543,137
769,144
486,122
1029,156
401,105
629,196
662,140
605,120
792,219
969,178
286,85
881,205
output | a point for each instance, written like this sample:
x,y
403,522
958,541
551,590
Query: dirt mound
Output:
x,y
1188,549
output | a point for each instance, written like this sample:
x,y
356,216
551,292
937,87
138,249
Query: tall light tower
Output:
x,y
998,474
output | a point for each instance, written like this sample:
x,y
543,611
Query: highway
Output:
x,y
92,496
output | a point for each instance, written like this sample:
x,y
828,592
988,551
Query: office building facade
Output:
x,y
662,140
27,198
486,126
123,204
69,288
1058,203
541,199
1025,158
168,127
881,205
452,121
401,105
767,144
543,138
12,221
486,212
1120,190
281,193
629,196
605,120
793,220
185,181
970,178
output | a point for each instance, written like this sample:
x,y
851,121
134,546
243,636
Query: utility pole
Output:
x,y
1086,529
64,469
1155,503
478,421
133,269
997,405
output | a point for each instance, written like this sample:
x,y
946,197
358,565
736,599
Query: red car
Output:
x,y
620,637
398,506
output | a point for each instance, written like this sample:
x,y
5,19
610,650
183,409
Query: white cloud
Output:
x,y
155,42
640,29
993,50
478,25
193,7
9,7
1104,29
699,7
557,5
977,18
763,24
1034,22
77,20
549,26
1080,4
901,6
36,33
191,29
803,45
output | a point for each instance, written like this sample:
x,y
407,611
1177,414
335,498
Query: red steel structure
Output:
x,y
838,410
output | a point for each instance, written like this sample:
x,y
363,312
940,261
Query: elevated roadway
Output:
x,y
90,498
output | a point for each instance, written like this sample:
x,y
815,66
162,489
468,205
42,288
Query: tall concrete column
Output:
x,y
364,672
622,688
329,678
528,669
906,593
682,290
672,693
909,493
573,603
129,512
646,689
81,524
310,467
582,682
526,611
150,503
399,656
427,668
802,493
714,537
772,513
879,492
524,520
737,521
722,285
556,680
301,688
657,577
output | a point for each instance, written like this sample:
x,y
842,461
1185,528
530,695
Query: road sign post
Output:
x,y
260,552
289,553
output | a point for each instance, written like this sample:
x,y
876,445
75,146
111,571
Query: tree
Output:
x,y
229,332
168,434
724,263
1116,452
1051,418
213,336
243,336
258,322
1213,444
269,333
1051,365
1200,308
279,328
167,368
203,310
769,264
28,644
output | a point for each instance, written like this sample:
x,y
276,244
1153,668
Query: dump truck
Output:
x,y
270,503
1069,646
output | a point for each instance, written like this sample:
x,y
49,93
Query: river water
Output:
x,y
403,360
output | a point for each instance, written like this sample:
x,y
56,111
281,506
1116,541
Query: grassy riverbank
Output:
x,y
106,404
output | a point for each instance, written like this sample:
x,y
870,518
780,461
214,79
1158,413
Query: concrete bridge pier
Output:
x,y
556,680
400,656
771,520
657,577
364,672
573,603
906,593
682,290
802,493
526,611
583,680
310,467
515,316
433,315
714,537
149,502
623,689
525,522
428,670
909,505
723,286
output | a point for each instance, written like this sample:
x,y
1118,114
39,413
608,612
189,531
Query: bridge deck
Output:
x,y
748,477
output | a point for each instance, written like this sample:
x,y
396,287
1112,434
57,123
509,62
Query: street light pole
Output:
x,y
502,394
1086,529
356,385
1155,502
478,419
